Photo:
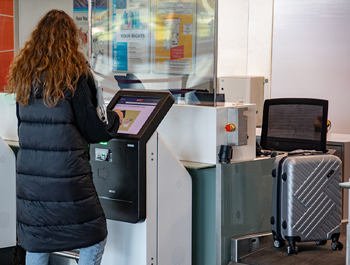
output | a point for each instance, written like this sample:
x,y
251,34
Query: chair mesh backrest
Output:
x,y
294,123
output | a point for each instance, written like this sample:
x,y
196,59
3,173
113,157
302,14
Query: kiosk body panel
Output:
x,y
120,179
130,243
175,208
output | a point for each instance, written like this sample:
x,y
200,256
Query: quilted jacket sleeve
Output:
x,y
84,105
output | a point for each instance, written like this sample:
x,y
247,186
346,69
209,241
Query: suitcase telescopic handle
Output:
x,y
302,152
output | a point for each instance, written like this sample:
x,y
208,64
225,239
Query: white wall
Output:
x,y
311,54
31,11
244,38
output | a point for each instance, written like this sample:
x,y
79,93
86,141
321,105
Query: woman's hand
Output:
x,y
121,116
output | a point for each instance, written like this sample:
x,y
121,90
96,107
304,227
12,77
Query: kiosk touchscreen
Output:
x,y
136,112
119,166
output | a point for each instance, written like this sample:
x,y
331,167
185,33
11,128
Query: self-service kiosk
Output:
x,y
144,190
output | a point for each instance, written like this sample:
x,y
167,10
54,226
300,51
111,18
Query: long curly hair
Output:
x,y
50,58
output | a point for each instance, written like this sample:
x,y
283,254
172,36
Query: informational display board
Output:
x,y
80,16
99,32
152,39
131,36
175,28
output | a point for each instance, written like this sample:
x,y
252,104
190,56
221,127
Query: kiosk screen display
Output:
x,y
136,111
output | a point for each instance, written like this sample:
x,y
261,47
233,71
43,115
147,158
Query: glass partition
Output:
x,y
164,44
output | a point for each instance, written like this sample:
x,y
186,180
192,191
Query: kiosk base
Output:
x,y
165,234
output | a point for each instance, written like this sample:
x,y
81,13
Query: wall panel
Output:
x,y
244,38
311,54
6,7
6,33
5,61
6,39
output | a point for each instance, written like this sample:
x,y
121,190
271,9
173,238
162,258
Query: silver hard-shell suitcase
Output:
x,y
306,203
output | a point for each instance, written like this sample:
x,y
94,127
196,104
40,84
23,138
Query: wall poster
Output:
x,y
99,32
131,36
174,36
80,16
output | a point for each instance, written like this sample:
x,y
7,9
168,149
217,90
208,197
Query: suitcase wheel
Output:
x,y
340,245
321,242
284,176
337,245
273,173
290,250
279,243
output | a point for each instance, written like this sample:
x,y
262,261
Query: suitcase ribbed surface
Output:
x,y
313,196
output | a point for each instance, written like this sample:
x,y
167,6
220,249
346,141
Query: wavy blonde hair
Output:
x,y
51,57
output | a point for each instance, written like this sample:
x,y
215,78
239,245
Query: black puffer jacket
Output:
x,y
57,205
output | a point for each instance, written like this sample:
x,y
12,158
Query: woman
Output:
x,y
57,205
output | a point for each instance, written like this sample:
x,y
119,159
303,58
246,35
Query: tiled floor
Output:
x,y
309,254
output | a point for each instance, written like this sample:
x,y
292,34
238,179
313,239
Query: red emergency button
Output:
x,y
230,127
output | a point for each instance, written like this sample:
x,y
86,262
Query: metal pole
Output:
x,y
89,30
216,22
